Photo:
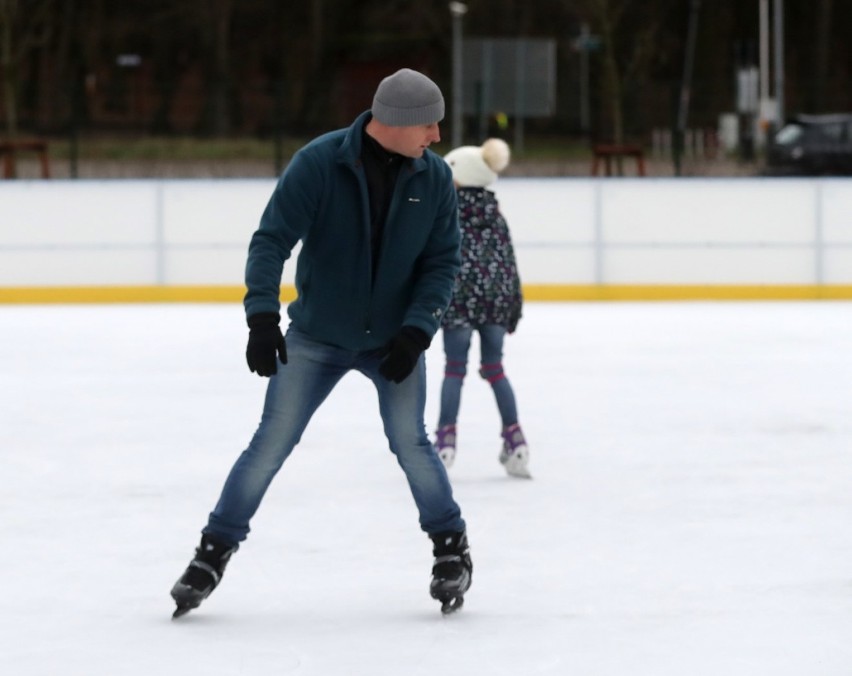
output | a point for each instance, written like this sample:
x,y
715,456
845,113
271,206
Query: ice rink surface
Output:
x,y
690,512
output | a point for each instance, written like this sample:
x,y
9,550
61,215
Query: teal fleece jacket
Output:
x,y
321,200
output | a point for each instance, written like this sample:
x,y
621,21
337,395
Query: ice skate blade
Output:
x,y
180,611
519,473
452,605
186,599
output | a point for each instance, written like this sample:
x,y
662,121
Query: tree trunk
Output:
x,y
612,74
823,45
8,10
221,75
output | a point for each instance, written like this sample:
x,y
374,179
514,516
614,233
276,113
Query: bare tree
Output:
x,y
23,26
822,46
215,18
630,39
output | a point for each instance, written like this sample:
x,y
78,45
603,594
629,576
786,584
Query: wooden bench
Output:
x,y
10,149
608,152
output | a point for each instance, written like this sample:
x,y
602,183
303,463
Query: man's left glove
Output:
x,y
402,353
265,340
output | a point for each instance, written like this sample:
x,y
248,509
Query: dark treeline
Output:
x,y
259,67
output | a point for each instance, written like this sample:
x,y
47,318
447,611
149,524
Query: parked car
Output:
x,y
812,145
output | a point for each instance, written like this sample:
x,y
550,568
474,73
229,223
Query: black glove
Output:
x,y
264,341
402,353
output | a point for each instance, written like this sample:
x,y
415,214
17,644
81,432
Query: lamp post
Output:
x,y
763,17
779,61
457,10
771,110
686,85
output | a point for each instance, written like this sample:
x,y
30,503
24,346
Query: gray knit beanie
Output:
x,y
408,99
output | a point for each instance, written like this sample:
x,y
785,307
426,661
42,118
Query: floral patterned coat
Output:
x,y
488,288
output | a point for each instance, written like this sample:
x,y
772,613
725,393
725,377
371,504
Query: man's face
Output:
x,y
412,141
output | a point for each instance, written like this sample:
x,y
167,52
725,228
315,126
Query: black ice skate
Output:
x,y
202,575
452,571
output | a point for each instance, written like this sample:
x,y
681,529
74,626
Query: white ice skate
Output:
x,y
445,444
515,455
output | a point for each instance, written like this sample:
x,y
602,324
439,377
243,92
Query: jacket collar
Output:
x,y
349,151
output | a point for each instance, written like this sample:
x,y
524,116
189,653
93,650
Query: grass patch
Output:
x,y
187,148
179,148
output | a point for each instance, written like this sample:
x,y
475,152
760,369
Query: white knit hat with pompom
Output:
x,y
478,166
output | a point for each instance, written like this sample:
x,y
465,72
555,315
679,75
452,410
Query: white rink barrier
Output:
x,y
574,238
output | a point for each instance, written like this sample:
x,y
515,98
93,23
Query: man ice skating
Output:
x,y
376,213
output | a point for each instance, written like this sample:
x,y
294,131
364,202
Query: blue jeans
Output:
x,y
292,397
456,348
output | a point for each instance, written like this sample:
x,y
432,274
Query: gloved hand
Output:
x,y
264,341
402,353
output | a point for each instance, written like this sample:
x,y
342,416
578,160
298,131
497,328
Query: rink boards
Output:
x,y
575,238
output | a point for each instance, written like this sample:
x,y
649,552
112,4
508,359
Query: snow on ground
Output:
x,y
689,512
